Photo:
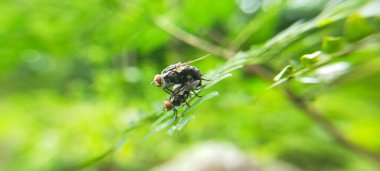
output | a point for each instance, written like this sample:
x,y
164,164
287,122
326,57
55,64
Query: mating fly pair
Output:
x,y
179,80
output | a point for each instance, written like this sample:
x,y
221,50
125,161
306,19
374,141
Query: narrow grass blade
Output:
x,y
201,100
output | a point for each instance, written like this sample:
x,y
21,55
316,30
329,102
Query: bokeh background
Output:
x,y
74,75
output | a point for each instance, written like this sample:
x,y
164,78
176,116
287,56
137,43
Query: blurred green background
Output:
x,y
75,74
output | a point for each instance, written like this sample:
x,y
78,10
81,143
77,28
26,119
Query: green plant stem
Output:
x,y
361,43
328,126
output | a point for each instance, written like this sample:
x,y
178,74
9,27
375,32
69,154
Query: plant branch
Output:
x,y
316,116
190,39
328,126
368,40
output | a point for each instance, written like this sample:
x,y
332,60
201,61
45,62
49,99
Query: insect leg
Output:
x,y
175,113
187,104
167,90
196,93
200,87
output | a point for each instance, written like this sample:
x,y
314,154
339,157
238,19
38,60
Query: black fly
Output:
x,y
179,73
180,80
180,95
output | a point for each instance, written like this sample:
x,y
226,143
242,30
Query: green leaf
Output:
x,y
201,100
332,44
217,78
163,117
356,27
324,22
162,126
285,72
181,123
310,59
231,69
171,130
183,119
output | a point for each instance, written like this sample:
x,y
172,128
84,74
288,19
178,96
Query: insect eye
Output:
x,y
168,105
158,80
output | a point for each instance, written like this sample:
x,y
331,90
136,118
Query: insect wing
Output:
x,y
181,67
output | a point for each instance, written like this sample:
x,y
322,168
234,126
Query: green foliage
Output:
x,y
75,76
332,44
285,73
310,59
356,27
